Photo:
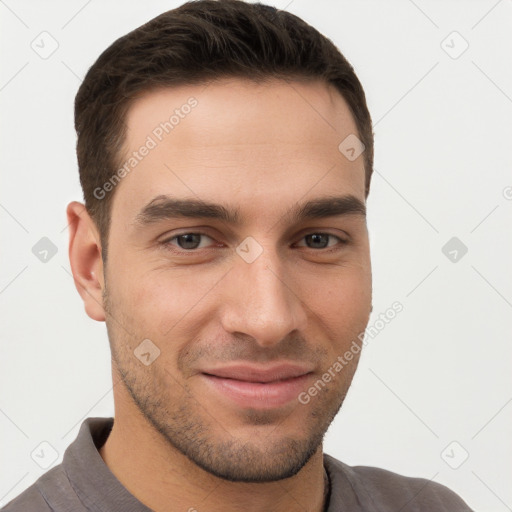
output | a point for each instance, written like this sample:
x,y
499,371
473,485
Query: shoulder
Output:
x,y
387,490
31,499
51,492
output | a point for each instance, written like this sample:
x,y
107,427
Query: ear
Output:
x,y
85,259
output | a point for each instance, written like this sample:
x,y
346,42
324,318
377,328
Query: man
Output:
x,y
225,152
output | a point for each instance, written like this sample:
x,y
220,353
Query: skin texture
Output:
x,y
260,148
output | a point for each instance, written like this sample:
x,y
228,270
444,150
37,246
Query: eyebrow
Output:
x,y
164,207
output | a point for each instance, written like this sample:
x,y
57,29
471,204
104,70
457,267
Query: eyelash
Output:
x,y
326,250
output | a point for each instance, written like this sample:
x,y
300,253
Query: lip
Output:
x,y
258,387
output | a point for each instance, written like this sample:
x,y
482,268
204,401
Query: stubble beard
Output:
x,y
188,426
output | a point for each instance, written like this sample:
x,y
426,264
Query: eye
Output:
x,y
187,241
321,240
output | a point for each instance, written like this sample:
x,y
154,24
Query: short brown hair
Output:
x,y
198,42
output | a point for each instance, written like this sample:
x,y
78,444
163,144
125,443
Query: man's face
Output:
x,y
247,315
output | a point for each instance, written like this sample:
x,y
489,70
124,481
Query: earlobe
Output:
x,y
85,259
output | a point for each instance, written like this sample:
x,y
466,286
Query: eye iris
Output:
x,y
318,238
191,240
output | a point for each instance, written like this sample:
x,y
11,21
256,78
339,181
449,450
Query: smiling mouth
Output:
x,y
258,387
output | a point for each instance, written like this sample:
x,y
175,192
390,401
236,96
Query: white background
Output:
x,y
438,373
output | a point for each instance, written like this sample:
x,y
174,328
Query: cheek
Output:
x,y
350,288
342,303
164,302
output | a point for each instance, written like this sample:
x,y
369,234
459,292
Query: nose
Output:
x,y
261,301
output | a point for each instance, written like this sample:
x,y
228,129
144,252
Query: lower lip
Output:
x,y
259,395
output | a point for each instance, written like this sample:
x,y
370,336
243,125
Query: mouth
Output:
x,y
258,387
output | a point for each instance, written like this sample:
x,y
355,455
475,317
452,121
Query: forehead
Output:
x,y
234,139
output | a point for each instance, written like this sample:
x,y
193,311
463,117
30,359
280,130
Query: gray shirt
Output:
x,y
83,482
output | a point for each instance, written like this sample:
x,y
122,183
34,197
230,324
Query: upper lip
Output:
x,y
267,373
